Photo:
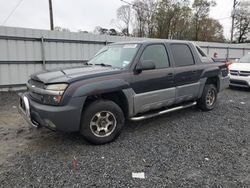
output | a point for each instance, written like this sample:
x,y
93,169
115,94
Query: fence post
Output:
x,y
43,53
207,50
243,51
227,53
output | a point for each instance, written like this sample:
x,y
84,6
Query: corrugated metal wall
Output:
x,y
25,51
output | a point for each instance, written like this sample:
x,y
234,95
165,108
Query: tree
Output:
x,y
201,10
242,21
181,21
180,27
164,17
211,30
151,8
144,14
103,31
100,30
140,9
57,28
174,19
124,15
112,32
82,31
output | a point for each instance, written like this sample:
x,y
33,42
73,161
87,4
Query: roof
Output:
x,y
152,41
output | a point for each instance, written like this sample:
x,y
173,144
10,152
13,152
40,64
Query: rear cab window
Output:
x,y
200,52
203,56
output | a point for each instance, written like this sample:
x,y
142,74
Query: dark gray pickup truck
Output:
x,y
130,80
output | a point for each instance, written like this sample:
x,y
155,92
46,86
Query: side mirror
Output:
x,y
145,65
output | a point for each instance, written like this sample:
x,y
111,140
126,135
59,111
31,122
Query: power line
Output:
x,y
223,18
131,4
12,12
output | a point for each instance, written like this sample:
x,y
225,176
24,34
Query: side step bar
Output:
x,y
163,112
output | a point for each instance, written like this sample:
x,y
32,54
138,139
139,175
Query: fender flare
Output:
x,y
100,87
211,72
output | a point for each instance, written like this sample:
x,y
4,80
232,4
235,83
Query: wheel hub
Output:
x,y
210,99
103,124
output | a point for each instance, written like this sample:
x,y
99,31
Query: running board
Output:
x,y
163,112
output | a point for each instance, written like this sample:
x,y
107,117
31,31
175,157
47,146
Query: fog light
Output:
x,y
50,124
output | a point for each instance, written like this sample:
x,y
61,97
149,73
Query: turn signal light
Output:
x,y
57,98
227,63
52,99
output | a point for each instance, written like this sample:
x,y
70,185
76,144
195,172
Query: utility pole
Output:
x,y
51,15
233,17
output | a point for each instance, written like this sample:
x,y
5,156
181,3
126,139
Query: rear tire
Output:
x,y
208,99
102,121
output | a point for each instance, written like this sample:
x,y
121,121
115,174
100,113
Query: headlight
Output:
x,y
54,93
56,87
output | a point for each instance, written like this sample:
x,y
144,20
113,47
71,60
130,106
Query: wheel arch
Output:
x,y
209,80
118,97
215,80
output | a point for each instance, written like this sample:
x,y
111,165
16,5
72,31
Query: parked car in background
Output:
x,y
240,72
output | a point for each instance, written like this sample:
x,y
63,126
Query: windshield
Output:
x,y
118,56
245,59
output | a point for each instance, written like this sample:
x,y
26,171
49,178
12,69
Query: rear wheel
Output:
x,y
209,97
102,121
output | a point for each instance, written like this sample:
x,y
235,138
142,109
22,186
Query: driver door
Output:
x,y
154,88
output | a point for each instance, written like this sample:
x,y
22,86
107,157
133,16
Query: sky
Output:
x,y
82,14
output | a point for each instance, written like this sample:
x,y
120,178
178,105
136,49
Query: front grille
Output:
x,y
240,73
36,84
35,96
244,73
234,72
239,82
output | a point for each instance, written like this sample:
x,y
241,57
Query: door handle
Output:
x,y
170,75
194,71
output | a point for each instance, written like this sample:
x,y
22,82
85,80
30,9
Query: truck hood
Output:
x,y
73,73
240,66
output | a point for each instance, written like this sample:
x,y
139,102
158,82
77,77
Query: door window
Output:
x,y
156,53
182,55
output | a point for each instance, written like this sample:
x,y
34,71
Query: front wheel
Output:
x,y
102,121
208,99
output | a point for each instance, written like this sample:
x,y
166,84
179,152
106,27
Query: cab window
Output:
x,y
156,53
182,55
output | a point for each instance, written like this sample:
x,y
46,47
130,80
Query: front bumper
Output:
x,y
240,81
62,118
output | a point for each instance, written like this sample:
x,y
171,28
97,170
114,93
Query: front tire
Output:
x,y
102,121
208,99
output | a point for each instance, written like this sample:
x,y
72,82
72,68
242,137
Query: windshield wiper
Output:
x,y
86,63
103,64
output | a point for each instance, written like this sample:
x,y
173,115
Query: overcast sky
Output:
x,y
81,14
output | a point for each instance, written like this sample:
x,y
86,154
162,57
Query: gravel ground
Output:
x,y
188,148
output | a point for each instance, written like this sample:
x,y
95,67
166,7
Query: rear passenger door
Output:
x,y
187,73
